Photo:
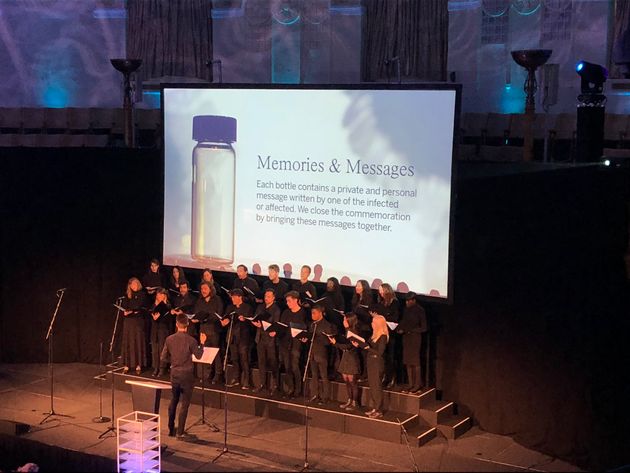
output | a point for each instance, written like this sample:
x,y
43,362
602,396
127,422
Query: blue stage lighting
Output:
x,y
593,77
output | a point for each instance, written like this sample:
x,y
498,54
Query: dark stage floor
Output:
x,y
258,443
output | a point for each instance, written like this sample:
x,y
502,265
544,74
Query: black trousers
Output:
x,y
159,332
239,354
290,359
319,369
181,389
375,374
267,361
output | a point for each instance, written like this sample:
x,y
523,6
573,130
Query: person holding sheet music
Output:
x,y
350,365
387,307
267,313
206,309
318,333
411,327
184,302
274,282
290,348
153,279
242,337
247,284
362,300
176,278
160,327
304,287
134,306
376,348
179,349
335,308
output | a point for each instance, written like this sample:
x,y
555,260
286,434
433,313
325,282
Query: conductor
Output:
x,y
178,350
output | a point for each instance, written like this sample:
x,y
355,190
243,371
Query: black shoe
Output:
x,y
273,392
161,374
415,389
289,394
313,398
245,387
215,381
391,384
257,389
186,437
171,433
376,415
322,402
233,383
155,373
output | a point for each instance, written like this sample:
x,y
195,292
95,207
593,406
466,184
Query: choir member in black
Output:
x,y
207,276
176,278
184,303
242,338
362,300
266,347
350,365
274,282
134,351
289,348
160,327
388,307
412,325
376,348
319,331
335,308
206,309
243,281
304,286
178,351
153,279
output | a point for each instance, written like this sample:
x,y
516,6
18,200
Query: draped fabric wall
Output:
x,y
621,37
172,37
415,31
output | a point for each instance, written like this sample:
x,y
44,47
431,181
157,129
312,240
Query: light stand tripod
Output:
x,y
112,370
413,458
225,393
202,419
308,362
49,337
101,377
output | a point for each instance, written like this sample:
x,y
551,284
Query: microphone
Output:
x,y
62,289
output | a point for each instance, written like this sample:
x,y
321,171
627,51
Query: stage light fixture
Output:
x,y
593,77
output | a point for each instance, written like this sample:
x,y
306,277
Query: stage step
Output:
x,y
327,416
427,396
436,412
455,426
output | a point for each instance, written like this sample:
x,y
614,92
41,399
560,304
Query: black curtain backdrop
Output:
x,y
535,345
415,31
172,37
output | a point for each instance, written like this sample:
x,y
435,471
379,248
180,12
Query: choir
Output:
x,y
277,328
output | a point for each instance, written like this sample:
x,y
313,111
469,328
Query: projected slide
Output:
x,y
354,183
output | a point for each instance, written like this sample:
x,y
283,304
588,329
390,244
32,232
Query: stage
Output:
x,y
258,443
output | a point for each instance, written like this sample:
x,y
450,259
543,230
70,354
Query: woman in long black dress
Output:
x,y
362,300
388,307
412,325
376,348
134,351
350,365
160,327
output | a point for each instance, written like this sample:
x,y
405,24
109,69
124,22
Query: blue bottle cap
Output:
x,y
214,128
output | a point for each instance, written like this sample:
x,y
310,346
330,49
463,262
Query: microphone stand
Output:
x,y
49,337
100,419
413,458
308,362
225,393
113,369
